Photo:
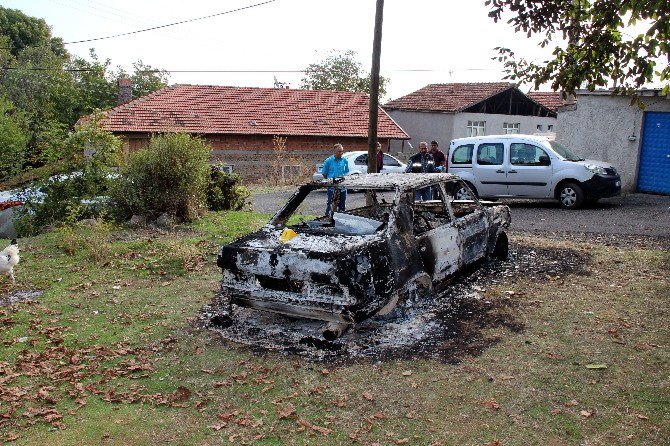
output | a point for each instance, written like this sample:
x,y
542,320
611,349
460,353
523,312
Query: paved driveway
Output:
x,y
633,214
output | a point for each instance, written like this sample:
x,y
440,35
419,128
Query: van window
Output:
x,y
462,154
490,154
522,154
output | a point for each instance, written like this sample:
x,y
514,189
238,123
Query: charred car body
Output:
x,y
346,267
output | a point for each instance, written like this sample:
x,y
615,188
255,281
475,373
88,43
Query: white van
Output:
x,y
527,166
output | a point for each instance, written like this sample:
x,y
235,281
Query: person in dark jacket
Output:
x,y
421,162
380,158
438,157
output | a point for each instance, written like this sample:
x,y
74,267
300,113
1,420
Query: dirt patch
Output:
x,y
446,327
19,296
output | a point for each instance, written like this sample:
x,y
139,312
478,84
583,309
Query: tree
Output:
x,y
342,72
25,31
598,50
13,139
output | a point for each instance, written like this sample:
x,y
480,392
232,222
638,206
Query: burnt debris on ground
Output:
x,y
447,327
19,296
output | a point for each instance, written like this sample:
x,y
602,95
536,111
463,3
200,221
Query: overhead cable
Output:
x,y
170,24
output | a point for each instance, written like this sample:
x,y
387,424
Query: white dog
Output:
x,y
9,257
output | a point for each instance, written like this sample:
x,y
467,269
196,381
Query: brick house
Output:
x,y
239,124
447,111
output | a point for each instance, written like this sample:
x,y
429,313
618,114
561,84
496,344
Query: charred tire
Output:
x,y
464,194
501,248
571,196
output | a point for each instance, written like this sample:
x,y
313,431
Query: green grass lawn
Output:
x,y
110,354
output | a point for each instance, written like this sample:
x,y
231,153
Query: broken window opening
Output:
x,y
363,220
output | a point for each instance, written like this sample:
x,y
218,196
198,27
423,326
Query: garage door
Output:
x,y
654,172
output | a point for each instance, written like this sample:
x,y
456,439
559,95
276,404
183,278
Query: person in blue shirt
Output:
x,y
336,166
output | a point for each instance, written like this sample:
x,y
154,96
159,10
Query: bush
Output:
x,y
169,176
224,191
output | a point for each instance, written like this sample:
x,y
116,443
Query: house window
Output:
x,y
511,127
539,127
476,128
550,128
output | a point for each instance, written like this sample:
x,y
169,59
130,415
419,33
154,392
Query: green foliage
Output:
x,y
170,175
13,139
25,31
597,48
53,89
224,191
91,237
341,72
145,79
78,194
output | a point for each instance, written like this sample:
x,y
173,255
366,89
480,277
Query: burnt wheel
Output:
x,y
571,196
501,249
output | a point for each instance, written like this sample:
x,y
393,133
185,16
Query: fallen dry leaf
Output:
x,y
407,373
307,424
325,372
368,396
228,415
586,413
180,395
287,411
11,436
491,404
642,417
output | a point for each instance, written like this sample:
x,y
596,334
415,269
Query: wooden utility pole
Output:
x,y
374,89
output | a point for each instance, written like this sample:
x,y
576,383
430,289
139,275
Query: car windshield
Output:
x,y
564,151
304,212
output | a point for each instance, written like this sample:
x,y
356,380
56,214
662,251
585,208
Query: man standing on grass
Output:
x,y
335,166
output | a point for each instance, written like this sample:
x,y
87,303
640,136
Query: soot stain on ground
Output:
x,y
445,327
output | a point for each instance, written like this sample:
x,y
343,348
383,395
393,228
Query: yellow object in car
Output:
x,y
286,235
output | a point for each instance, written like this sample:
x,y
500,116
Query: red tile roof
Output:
x,y
550,99
448,97
208,109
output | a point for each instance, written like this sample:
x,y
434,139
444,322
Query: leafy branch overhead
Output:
x,y
340,72
600,43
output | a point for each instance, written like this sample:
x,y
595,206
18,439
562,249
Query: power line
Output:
x,y
171,24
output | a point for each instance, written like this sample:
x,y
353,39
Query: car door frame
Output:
x,y
491,179
529,181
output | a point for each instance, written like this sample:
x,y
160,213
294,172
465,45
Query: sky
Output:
x,y
453,40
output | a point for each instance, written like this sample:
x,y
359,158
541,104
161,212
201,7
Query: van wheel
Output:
x,y
571,196
463,193
501,249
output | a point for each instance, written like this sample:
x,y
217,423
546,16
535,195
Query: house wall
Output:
x,y
254,156
494,123
599,126
422,126
443,127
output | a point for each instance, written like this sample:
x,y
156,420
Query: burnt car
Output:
x,y
346,267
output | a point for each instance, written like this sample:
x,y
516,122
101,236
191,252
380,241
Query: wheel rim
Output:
x,y
568,197
462,194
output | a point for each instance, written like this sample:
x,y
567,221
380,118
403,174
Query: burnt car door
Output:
x,y
436,237
471,223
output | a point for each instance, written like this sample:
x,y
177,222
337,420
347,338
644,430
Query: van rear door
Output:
x,y
489,169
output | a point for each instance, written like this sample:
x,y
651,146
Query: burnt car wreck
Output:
x,y
346,267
